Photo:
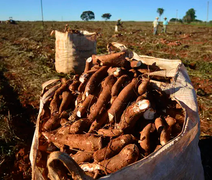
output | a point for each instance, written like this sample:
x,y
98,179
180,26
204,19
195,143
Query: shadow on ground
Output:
x,y
16,132
205,146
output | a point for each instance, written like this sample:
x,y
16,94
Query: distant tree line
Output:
x,y
189,17
106,16
160,11
89,15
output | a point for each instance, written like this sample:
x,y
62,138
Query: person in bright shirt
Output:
x,y
118,25
165,23
155,26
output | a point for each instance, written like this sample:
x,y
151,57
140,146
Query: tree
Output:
x,y
87,15
176,20
106,16
173,20
160,11
190,16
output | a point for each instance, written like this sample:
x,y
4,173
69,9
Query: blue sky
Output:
x,y
70,10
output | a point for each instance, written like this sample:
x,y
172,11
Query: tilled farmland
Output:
x,y
27,61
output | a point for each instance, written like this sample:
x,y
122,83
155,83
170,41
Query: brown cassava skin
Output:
x,y
74,84
90,174
118,85
63,87
132,114
95,67
81,87
88,73
84,79
115,71
159,124
121,101
115,59
67,99
143,96
145,139
135,64
129,154
143,86
103,98
99,123
78,100
80,126
63,121
88,65
143,71
73,117
170,121
92,108
106,82
45,113
52,123
163,131
73,87
84,142
85,105
176,129
110,132
113,148
95,79
54,104
111,70
65,129
173,126
157,147
64,114
113,99
164,136
82,156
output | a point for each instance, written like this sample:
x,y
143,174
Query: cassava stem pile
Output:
x,y
110,116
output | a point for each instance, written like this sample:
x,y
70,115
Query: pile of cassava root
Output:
x,y
109,116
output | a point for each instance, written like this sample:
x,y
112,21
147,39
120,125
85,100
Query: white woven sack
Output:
x,y
72,50
179,159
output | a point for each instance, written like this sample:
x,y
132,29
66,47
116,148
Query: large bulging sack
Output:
x,y
72,50
178,159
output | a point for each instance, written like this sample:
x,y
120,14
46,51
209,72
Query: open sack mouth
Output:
x,y
123,111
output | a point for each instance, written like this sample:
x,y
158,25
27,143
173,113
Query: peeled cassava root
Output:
x,y
110,116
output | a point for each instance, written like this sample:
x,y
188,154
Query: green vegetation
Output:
x,y
106,16
160,11
87,15
190,16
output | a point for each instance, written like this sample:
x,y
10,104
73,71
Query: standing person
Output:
x,y
66,28
118,24
165,23
155,26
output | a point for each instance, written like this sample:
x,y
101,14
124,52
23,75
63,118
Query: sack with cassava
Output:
x,y
72,49
127,116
